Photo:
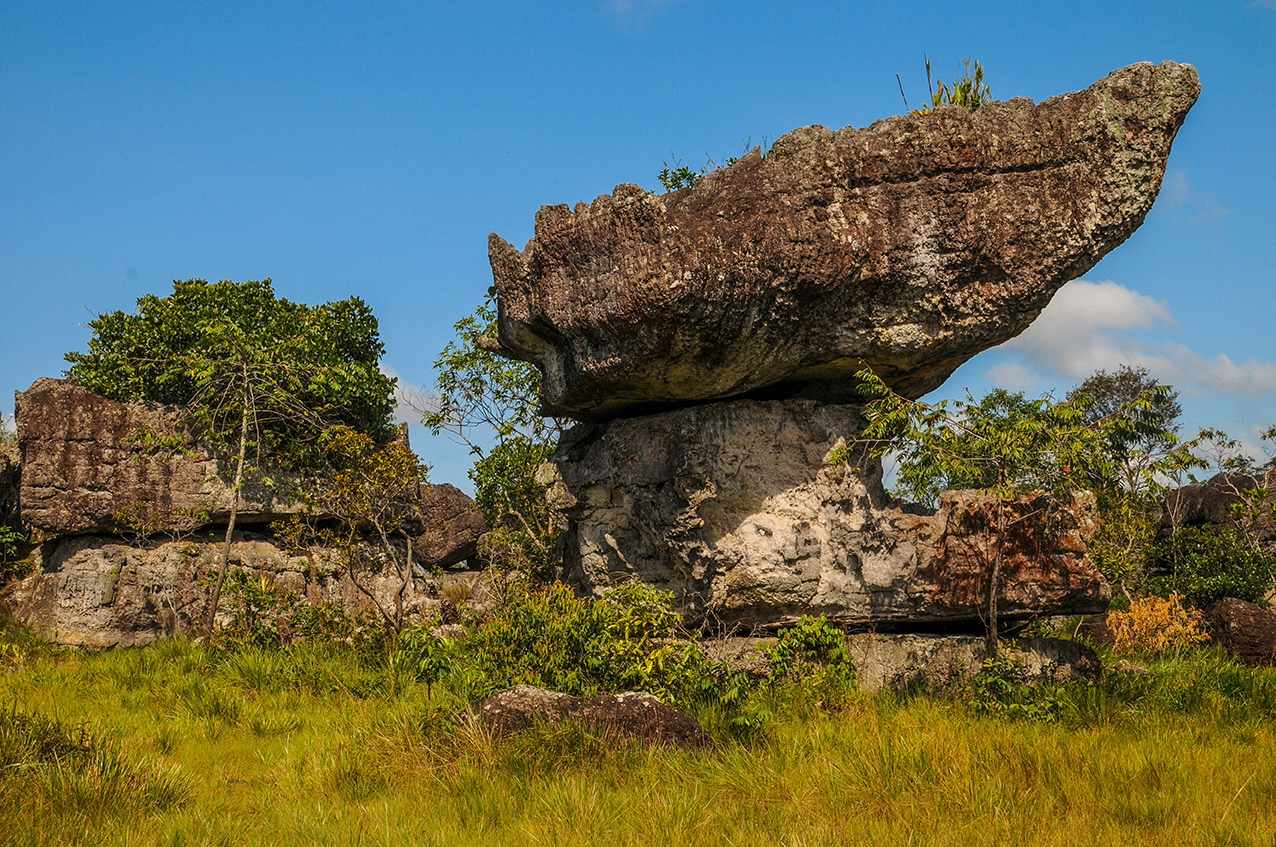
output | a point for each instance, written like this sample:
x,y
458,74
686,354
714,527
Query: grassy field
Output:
x,y
173,744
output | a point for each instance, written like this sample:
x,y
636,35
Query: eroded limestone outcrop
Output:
x,y
101,591
734,507
90,464
908,246
132,509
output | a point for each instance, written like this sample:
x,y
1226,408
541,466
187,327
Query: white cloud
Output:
x,y
1093,325
1014,376
411,401
1179,192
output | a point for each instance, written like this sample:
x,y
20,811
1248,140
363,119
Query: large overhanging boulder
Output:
x,y
745,510
908,246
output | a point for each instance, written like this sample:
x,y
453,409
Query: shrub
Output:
x,y
625,640
1001,689
810,643
1206,564
1155,625
12,544
678,178
264,615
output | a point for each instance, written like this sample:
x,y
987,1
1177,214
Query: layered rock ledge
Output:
x,y
131,533
908,247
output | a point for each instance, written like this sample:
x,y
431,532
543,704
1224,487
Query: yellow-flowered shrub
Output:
x,y
1156,625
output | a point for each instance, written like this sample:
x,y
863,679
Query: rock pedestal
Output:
x,y
745,510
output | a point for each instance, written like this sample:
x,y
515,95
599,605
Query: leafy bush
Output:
x,y
12,544
810,643
1001,689
1206,564
1155,625
625,640
679,177
324,359
262,614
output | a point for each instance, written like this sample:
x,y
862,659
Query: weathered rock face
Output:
x,y
1215,501
97,591
732,506
87,466
452,527
1245,630
630,715
908,246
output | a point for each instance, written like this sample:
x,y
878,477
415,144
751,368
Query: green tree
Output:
x,y
374,493
256,377
1136,453
492,405
1009,446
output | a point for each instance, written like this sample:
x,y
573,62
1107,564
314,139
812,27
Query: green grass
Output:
x,y
175,744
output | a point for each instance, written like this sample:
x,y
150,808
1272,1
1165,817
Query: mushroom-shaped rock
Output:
x,y
907,247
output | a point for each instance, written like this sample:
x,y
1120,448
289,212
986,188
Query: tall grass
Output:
x,y
316,745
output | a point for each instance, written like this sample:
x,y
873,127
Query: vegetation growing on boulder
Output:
x,y
491,404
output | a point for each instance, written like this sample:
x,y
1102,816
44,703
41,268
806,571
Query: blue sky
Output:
x,y
369,148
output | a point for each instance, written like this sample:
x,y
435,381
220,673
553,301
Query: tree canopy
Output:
x,y
318,362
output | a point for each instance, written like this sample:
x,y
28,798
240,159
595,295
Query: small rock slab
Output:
x,y
903,662
1245,630
631,715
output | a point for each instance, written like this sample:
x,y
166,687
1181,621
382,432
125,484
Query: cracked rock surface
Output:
x,y
737,509
908,246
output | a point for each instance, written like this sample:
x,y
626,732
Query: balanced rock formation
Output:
x,y
908,246
100,591
710,337
629,715
735,507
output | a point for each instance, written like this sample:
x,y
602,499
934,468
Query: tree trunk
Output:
x,y
994,580
234,514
